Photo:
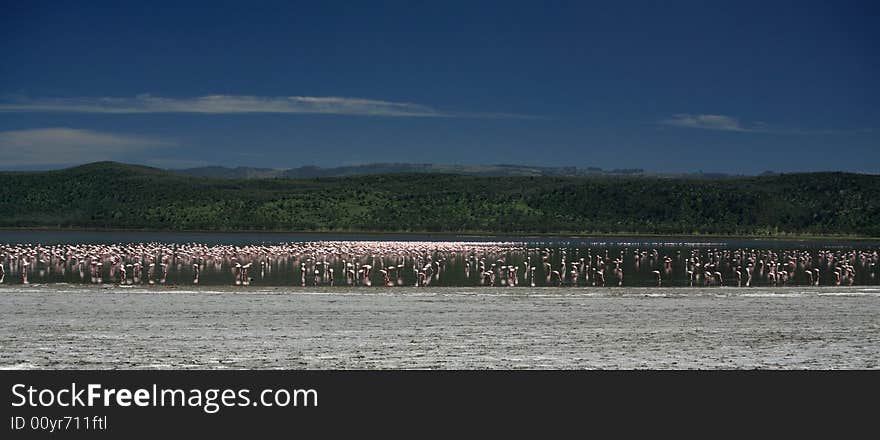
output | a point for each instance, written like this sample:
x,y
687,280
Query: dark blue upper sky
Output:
x,y
737,87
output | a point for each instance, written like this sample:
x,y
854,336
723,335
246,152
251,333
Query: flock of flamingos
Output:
x,y
415,263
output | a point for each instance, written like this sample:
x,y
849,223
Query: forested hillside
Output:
x,y
112,195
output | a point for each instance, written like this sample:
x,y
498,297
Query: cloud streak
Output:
x,y
240,104
728,123
68,146
710,122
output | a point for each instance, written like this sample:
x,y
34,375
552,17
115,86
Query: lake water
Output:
x,y
461,328
464,313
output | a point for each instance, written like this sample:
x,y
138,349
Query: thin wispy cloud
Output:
x,y
68,146
729,123
710,122
239,104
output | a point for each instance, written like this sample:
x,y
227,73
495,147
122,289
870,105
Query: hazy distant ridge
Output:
x,y
305,172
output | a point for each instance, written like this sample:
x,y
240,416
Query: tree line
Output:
x,y
112,195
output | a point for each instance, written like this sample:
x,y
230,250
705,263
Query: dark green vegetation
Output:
x,y
111,195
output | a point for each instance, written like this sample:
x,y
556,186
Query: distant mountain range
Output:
x,y
306,172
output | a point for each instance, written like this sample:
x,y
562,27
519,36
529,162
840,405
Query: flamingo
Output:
x,y
600,277
245,278
122,274
24,272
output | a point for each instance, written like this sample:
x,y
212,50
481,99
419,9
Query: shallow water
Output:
x,y
75,326
316,260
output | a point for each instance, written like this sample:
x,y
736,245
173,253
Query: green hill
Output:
x,y
112,195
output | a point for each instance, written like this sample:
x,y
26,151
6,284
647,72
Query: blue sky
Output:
x,y
737,87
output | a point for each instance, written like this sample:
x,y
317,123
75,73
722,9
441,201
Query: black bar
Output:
x,y
502,401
